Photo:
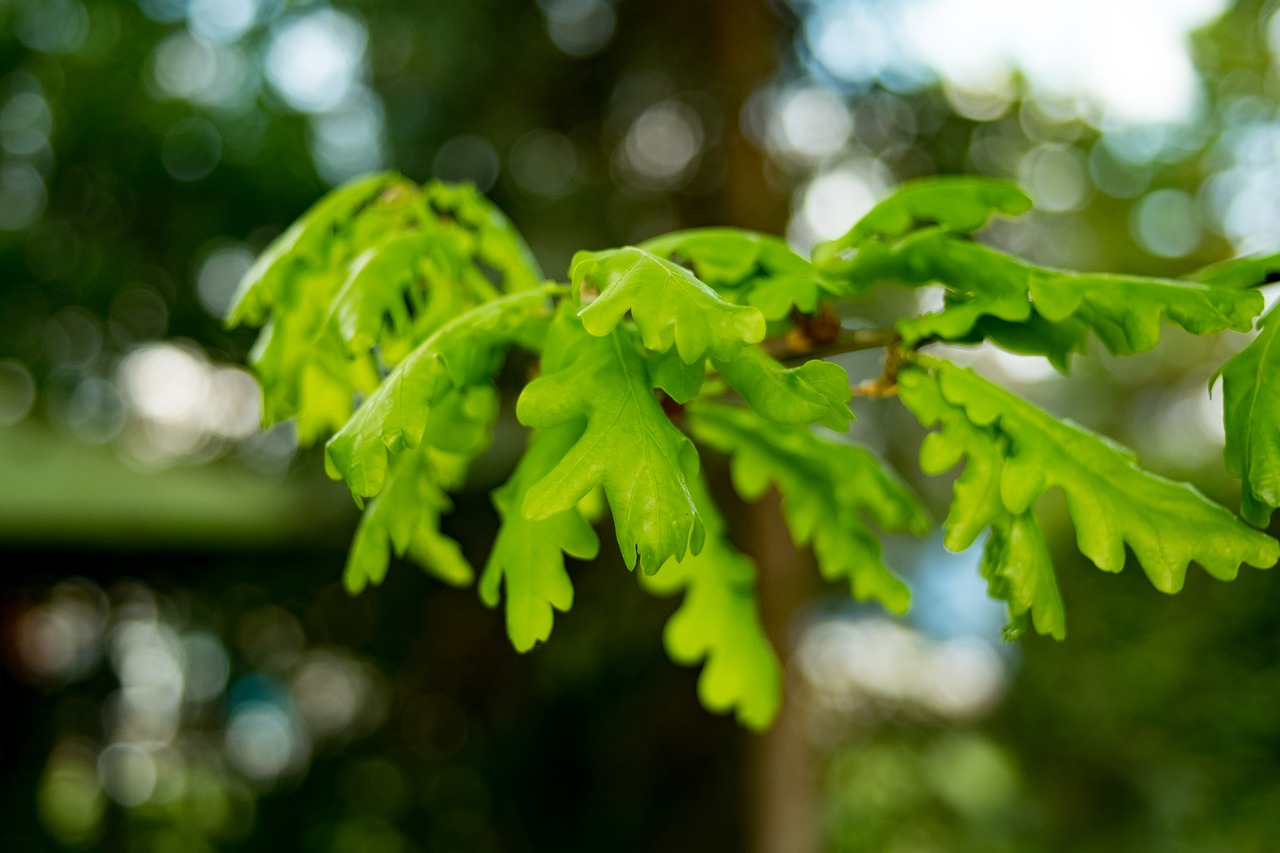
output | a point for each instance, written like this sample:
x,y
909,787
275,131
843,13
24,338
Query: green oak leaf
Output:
x,y
528,555
497,243
977,504
752,268
718,622
1014,561
464,352
1113,502
404,288
306,243
1018,570
669,305
777,296
315,384
405,518
723,258
815,392
376,288
628,446
958,205
983,284
1033,336
1251,410
681,382
827,489
1125,311
1240,273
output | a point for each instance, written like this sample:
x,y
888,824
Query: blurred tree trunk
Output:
x,y
743,39
783,794
784,798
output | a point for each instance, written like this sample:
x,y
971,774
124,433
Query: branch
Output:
x,y
796,347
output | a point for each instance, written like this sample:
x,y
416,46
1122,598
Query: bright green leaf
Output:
x,y
628,446
1240,273
405,518
465,352
1125,311
1251,408
718,621
528,555
497,244
1112,502
815,392
307,243
827,490
982,284
757,269
668,303
1015,562
680,381
315,384
959,205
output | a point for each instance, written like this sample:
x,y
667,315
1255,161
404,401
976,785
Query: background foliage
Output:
x,y
151,149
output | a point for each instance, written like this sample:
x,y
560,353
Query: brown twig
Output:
x,y
886,384
793,347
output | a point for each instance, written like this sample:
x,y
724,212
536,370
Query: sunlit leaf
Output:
x,y
464,352
628,446
985,285
405,519
1018,569
755,269
829,491
309,242
815,392
1251,408
1240,273
718,624
528,555
958,205
1112,501
669,304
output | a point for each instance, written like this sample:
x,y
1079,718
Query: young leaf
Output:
x,y
815,392
1033,336
628,446
756,269
826,489
1240,273
724,258
1125,312
718,621
958,205
464,352
1016,564
405,518
1112,502
1251,408
496,242
528,555
668,303
410,284
316,384
307,243
1014,561
680,381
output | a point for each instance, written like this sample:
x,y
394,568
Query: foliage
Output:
x,y
391,310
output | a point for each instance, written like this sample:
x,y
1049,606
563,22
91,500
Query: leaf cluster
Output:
x,y
390,309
